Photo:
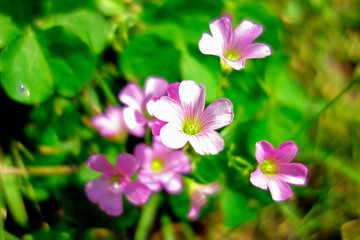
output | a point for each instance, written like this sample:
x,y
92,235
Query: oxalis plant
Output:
x,y
117,123
182,130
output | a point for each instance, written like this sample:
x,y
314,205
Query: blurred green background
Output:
x,y
63,61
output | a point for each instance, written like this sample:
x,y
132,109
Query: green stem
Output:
x,y
147,217
37,171
2,206
106,89
187,230
335,99
166,226
9,236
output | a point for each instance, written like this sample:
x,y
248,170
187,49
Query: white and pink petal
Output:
x,y
280,190
99,163
258,179
112,203
245,33
132,96
284,153
96,189
192,97
218,114
172,136
127,164
135,121
174,185
256,50
208,142
293,173
155,86
137,193
262,150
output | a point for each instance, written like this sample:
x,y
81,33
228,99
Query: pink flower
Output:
x,y
107,189
162,167
233,47
198,197
187,121
275,170
135,115
111,123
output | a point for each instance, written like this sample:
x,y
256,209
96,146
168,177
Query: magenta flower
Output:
x,y
187,121
198,197
111,123
275,171
135,115
107,189
233,47
162,167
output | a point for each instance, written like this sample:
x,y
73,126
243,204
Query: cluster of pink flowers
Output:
x,y
176,115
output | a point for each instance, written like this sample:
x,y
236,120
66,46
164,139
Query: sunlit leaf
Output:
x,y
13,196
26,76
90,26
8,30
71,61
149,55
235,207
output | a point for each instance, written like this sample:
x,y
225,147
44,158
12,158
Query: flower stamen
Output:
x,y
157,165
232,55
191,127
268,167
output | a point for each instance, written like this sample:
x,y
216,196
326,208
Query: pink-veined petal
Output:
x,y
237,65
294,173
284,153
99,163
147,178
96,189
208,45
179,162
209,189
110,123
143,153
174,185
135,121
166,109
132,96
193,213
192,97
245,33
208,142
155,86
218,114
280,190
258,179
127,164
221,30
172,136
198,199
112,203
173,91
137,193
155,125
262,150
256,50
160,150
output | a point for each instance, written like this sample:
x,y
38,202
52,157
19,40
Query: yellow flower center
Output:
x,y
268,167
157,165
115,178
232,55
191,127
